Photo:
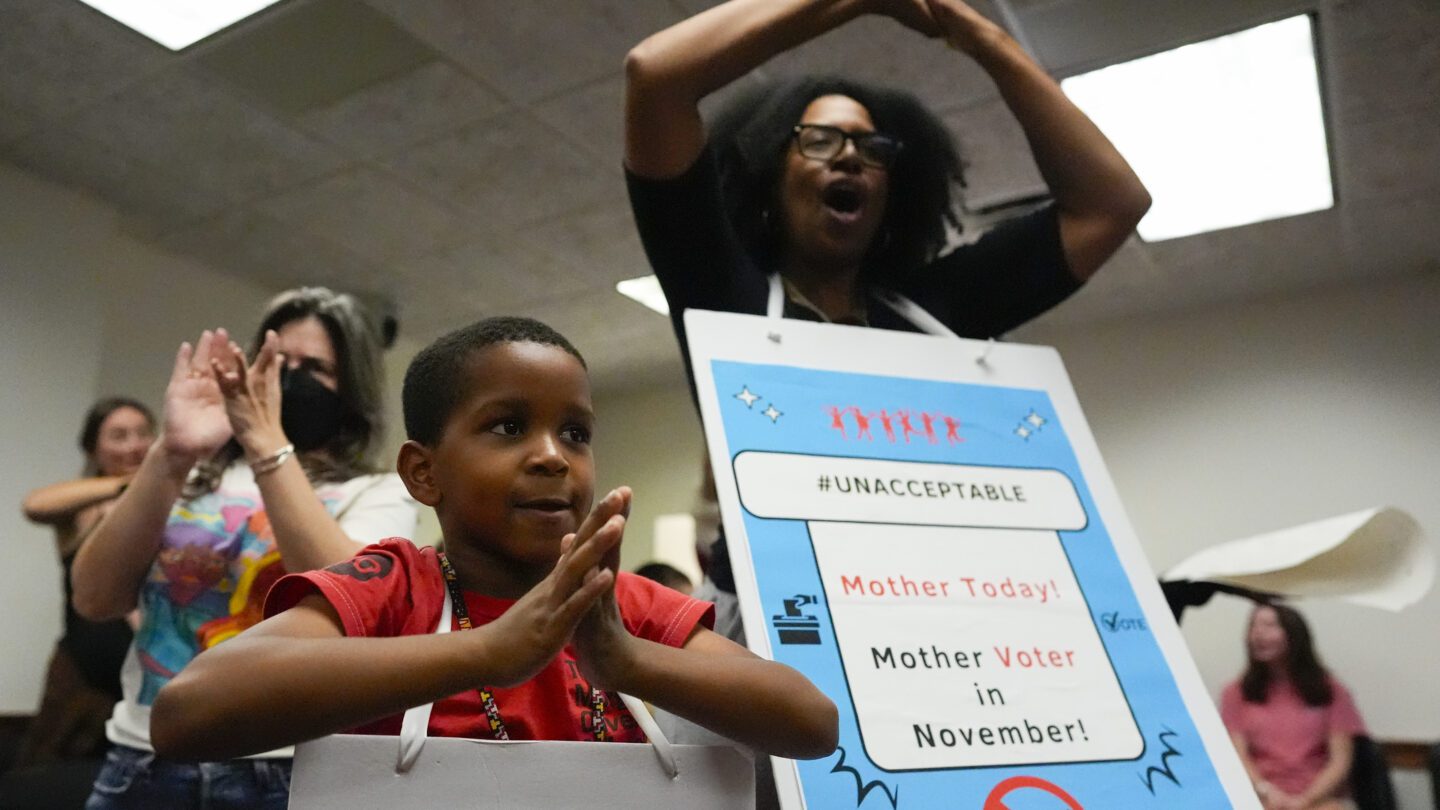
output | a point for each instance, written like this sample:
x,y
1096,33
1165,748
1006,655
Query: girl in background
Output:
x,y
82,682
1292,722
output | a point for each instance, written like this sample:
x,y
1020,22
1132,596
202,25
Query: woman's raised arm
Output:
x,y
1098,196
668,74
111,566
60,503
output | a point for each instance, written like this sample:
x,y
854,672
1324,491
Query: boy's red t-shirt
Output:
x,y
394,588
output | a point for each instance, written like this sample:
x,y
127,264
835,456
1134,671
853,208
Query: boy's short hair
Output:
x,y
436,383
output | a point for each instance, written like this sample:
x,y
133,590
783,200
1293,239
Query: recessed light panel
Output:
x,y
1224,132
178,23
646,290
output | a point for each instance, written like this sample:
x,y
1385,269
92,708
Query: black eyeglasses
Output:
x,y
823,142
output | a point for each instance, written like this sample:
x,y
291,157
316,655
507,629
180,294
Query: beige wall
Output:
x,y
50,356
649,440
87,312
1229,422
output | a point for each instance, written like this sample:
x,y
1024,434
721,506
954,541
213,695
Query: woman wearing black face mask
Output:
x,y
262,467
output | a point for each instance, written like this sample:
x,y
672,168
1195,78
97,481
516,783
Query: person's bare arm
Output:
x,y
668,74
62,502
307,536
111,565
782,714
295,676
1098,196
1327,784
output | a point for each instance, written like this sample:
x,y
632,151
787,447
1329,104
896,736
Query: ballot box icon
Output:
x,y
794,626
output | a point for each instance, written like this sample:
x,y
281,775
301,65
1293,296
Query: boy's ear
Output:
x,y
416,468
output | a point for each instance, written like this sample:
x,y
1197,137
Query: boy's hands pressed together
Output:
x,y
604,648
542,622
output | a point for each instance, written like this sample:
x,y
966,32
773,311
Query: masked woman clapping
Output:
x,y
262,467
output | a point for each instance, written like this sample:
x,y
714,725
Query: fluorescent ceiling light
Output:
x,y
178,23
646,290
1224,132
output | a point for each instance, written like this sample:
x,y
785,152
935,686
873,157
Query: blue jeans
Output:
x,y
132,780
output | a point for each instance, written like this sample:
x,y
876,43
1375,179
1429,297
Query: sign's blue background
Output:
x,y
785,565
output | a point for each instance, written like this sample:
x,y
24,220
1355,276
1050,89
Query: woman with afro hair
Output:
x,y
823,198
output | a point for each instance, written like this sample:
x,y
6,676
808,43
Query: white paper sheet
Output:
x,y
1377,557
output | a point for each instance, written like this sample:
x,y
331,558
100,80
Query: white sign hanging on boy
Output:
x,y
935,542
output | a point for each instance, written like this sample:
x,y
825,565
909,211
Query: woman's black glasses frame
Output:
x,y
873,148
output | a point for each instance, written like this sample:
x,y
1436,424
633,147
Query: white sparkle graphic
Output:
x,y
1035,419
772,413
1023,432
746,397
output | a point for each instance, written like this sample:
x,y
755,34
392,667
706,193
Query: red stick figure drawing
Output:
x,y
837,419
1016,783
862,424
906,428
952,430
929,420
887,424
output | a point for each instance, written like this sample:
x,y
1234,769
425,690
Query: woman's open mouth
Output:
x,y
843,201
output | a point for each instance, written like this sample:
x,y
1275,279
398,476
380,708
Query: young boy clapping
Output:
x,y
499,422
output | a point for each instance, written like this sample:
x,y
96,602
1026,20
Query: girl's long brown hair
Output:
x,y
1302,665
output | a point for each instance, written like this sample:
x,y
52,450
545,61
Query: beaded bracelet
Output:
x,y
272,462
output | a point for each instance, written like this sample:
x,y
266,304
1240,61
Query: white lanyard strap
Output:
x,y
775,304
417,720
902,306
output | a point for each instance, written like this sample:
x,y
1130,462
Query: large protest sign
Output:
x,y
933,539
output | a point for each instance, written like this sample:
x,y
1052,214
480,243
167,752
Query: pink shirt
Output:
x,y
1289,741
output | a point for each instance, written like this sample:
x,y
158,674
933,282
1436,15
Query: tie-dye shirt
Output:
x,y
216,562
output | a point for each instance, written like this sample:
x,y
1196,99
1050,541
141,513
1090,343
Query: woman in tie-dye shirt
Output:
x,y
262,467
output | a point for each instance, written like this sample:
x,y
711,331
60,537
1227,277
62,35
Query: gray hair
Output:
x,y
356,339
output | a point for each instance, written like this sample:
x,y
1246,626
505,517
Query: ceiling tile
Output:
x,y
617,336
592,118
510,171
1389,158
55,56
155,200
998,163
189,125
483,277
371,213
256,246
13,123
530,50
880,51
1287,253
437,295
599,245
1383,75
1366,19
387,117
1394,237
489,179
312,54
